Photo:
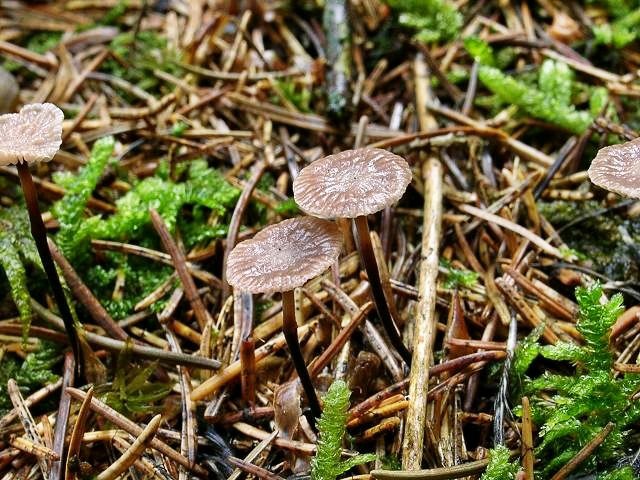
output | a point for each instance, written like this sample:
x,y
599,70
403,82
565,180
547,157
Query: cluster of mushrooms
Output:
x,y
348,185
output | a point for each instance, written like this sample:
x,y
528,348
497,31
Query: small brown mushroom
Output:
x,y
617,168
354,184
33,135
280,258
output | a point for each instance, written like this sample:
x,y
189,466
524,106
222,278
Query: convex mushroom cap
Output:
x,y
617,168
284,256
352,183
33,135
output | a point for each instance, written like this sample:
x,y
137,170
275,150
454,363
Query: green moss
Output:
x,y
432,20
548,105
288,208
17,250
132,391
298,95
32,373
113,16
197,206
500,466
70,210
480,51
136,58
620,32
178,129
625,473
456,277
571,410
140,276
327,463
526,352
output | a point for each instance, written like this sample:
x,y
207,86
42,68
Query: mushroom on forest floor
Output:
x,y
34,135
280,258
354,184
617,168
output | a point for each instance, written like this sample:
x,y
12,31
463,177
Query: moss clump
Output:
x,y
17,250
70,210
32,373
196,205
572,409
432,20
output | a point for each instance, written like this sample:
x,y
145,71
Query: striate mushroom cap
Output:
x,y
34,134
617,168
352,183
284,256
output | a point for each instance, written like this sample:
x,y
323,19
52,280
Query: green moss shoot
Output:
x,y
327,463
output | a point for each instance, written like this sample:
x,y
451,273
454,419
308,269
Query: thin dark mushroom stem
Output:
x,y
290,330
39,233
371,267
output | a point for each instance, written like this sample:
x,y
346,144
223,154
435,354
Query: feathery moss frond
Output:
x,y
332,425
535,102
500,466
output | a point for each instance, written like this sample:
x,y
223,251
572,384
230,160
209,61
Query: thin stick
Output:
x,y
290,330
341,339
62,418
425,323
179,262
377,292
32,399
39,233
131,455
253,469
457,471
27,422
189,440
233,371
84,295
78,431
527,439
584,452
514,227
248,379
39,451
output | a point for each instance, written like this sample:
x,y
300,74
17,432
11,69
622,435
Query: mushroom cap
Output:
x,y
352,183
617,168
284,256
34,134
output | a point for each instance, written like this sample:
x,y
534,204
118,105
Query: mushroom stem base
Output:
x,y
39,233
382,306
290,330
